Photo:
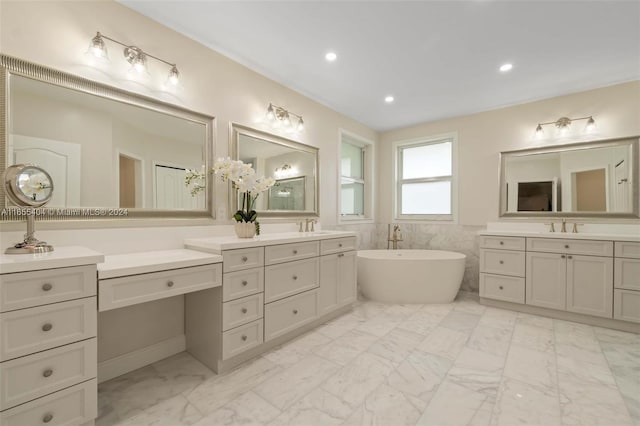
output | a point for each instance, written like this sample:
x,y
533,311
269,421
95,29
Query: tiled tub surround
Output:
x,y
454,364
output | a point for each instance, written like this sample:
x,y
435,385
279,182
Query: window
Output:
x,y
426,185
355,178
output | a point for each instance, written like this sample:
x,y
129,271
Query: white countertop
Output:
x,y
119,265
60,257
565,235
218,244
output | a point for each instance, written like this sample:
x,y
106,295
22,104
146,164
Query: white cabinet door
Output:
x,y
329,278
347,277
590,285
546,280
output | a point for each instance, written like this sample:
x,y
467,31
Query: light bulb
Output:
x,y
539,132
506,67
389,99
97,47
270,113
300,125
286,120
591,125
331,56
174,75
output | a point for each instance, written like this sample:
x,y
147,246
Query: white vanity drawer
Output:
x,y
36,329
237,260
288,314
627,249
626,274
242,283
626,305
242,338
337,245
72,406
501,287
505,243
242,311
28,289
503,262
288,252
30,377
134,289
586,247
290,278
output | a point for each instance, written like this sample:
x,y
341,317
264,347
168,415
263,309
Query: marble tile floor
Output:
x,y
392,365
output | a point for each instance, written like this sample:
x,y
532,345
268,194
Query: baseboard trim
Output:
x,y
122,364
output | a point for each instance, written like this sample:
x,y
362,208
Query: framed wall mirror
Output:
x,y
591,179
293,165
105,148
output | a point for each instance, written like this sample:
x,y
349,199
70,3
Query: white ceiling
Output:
x,y
437,58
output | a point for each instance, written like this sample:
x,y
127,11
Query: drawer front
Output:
x,y
76,405
28,289
627,274
32,330
241,339
500,287
242,311
503,262
337,245
627,249
505,243
626,305
587,247
30,377
288,314
288,252
126,291
242,283
290,278
237,260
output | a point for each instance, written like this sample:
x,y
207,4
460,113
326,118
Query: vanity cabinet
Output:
x,y
502,268
48,349
626,305
337,277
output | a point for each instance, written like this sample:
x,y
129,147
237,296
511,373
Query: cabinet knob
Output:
x,y
244,338
502,262
339,244
245,258
563,256
569,257
295,312
46,327
501,288
566,246
244,282
295,252
244,310
169,283
46,287
48,372
341,255
295,277
47,418
501,243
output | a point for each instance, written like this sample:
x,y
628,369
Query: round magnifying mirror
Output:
x,y
27,185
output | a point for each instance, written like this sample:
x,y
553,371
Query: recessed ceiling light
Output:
x,y
389,99
506,67
331,56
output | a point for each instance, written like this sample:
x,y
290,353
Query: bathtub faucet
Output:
x,y
395,238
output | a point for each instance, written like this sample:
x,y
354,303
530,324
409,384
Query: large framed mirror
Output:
x,y
113,154
293,165
590,179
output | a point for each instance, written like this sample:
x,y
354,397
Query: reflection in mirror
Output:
x,y
599,178
294,166
104,147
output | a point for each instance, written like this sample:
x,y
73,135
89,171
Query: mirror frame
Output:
x,y
633,141
234,140
10,66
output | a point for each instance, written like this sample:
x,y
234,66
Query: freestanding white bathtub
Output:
x,y
410,276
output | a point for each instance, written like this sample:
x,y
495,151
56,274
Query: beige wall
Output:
x,y
482,136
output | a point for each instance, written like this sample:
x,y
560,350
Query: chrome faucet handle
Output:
x,y
563,228
300,226
575,227
552,227
313,221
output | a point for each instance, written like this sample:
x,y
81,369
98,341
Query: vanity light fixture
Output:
x,y
285,171
277,115
563,125
133,54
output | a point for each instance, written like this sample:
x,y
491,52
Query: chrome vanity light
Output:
x,y
28,186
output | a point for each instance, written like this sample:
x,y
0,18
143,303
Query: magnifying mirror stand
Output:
x,y
30,244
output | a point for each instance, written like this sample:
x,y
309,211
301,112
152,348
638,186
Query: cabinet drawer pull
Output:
x,y
563,256
501,288
48,372
501,243
295,252
569,257
169,283
46,327
244,282
295,277
244,337
47,418
244,310
502,262
295,312
245,258
46,287
341,255
566,246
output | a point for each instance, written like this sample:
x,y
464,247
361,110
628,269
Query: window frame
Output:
x,y
368,159
398,147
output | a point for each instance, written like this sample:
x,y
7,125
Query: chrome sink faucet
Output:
x,y
563,228
306,225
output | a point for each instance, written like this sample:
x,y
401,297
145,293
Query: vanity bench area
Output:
x,y
590,278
